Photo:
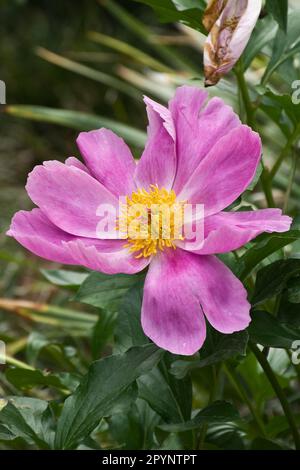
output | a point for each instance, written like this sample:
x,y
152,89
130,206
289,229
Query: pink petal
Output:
x,y
165,115
73,161
222,296
158,162
110,259
229,231
34,231
198,127
180,287
171,313
108,159
225,172
70,197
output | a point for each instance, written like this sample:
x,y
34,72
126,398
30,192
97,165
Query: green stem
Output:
x,y
230,372
285,151
291,181
212,396
279,392
250,110
15,362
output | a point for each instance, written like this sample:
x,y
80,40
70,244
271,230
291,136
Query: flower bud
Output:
x,y
230,24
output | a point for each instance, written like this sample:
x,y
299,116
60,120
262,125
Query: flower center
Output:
x,y
151,220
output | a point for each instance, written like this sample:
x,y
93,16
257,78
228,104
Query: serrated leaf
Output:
x,y
28,418
105,389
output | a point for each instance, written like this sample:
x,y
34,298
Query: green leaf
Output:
x,y
281,110
102,332
227,436
272,279
97,75
106,291
104,390
129,331
217,349
188,12
6,434
286,45
29,419
64,278
263,247
279,10
265,444
262,35
265,329
135,429
217,412
169,397
289,313
27,379
77,120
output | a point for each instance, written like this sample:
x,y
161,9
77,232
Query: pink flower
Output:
x,y
230,24
197,151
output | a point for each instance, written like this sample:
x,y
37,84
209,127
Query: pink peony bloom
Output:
x,y
230,24
197,151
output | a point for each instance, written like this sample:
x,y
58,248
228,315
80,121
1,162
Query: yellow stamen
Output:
x,y
151,220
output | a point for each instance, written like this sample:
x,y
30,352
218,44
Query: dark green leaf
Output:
x,y
134,430
282,110
265,444
169,397
279,10
226,436
217,412
265,329
28,418
188,12
218,349
102,331
106,291
27,379
104,390
263,247
272,279
129,331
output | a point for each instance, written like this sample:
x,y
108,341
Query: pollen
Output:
x,y
151,221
